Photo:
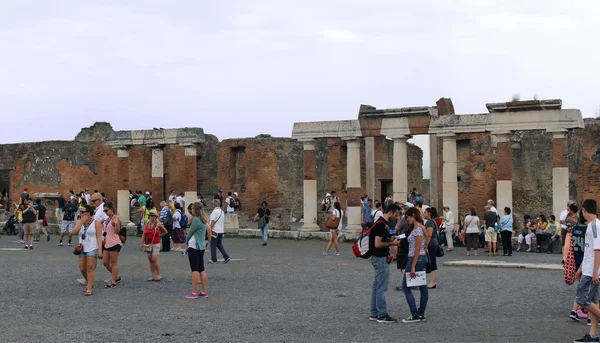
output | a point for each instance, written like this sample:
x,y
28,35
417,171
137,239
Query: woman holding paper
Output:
x,y
417,262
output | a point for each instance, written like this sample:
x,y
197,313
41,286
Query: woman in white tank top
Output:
x,y
90,237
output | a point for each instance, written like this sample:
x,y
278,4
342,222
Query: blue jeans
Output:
x,y
410,298
217,243
380,287
265,233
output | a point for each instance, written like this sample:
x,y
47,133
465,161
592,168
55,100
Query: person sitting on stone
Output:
x,y
529,228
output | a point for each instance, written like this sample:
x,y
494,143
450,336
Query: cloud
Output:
x,y
340,36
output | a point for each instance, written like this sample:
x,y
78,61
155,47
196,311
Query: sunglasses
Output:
x,y
82,212
106,210
95,200
152,215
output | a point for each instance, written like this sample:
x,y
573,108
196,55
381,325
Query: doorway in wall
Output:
x,y
387,186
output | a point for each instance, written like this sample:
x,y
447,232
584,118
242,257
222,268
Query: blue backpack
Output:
x,y
184,220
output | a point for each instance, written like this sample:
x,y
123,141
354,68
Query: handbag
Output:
x,y
45,222
428,266
439,252
148,247
78,249
332,224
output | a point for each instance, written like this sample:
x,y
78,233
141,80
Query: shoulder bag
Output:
x,y
213,233
332,224
148,247
78,249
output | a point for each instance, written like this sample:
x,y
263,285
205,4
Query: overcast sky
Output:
x,y
240,68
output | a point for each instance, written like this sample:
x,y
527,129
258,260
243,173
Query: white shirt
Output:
x,y
88,197
230,204
377,213
219,217
339,215
99,214
176,219
90,243
172,197
332,201
563,217
494,209
192,243
449,216
592,242
179,200
471,222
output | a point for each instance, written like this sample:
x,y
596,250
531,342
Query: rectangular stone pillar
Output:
x,y
434,191
450,173
123,185
504,175
191,175
354,187
158,175
310,187
400,172
370,165
560,172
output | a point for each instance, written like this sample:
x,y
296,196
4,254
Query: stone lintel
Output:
x,y
396,112
47,195
526,105
156,146
156,137
502,137
346,129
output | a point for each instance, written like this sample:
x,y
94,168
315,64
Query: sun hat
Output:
x,y
153,212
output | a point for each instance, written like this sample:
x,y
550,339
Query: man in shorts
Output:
x,y
587,290
68,220
491,237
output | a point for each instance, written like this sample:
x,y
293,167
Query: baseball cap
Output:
x,y
220,191
327,195
235,193
148,193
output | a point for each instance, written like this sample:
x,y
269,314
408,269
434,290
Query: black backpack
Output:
x,y
168,221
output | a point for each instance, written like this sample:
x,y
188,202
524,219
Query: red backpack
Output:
x,y
360,248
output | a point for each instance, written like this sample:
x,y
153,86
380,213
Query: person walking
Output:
x,y
150,243
472,224
59,208
262,216
417,262
367,218
570,221
29,220
166,219
90,238
333,238
41,219
112,244
68,221
432,243
449,222
197,241
379,248
491,236
506,231
178,230
217,224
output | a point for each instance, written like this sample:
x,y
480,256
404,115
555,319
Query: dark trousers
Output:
x,y
551,242
217,243
539,238
166,239
506,241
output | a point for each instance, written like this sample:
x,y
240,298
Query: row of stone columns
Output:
x,y
560,176
158,179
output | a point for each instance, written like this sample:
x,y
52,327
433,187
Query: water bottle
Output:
x,y
496,227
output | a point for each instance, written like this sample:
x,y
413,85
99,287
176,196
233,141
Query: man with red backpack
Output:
x,y
379,244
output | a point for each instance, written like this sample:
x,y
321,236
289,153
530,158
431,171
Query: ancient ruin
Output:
x,y
529,155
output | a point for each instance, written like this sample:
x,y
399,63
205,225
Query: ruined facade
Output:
x,y
262,168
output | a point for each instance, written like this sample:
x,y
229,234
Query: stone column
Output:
x,y
560,172
310,187
370,165
191,175
450,173
354,187
158,175
123,184
400,172
504,174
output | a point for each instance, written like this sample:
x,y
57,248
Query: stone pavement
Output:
x,y
285,292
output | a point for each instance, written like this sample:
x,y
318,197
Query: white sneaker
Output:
x,y
69,245
82,282
20,241
60,244
337,254
325,253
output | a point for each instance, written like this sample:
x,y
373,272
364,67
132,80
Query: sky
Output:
x,y
241,68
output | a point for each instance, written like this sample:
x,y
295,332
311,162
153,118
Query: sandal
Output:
x,y
88,294
156,280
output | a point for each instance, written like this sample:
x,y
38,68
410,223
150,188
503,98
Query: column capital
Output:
x,y
558,133
447,136
156,146
400,139
309,144
353,143
503,137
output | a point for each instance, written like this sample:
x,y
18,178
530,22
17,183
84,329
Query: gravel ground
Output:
x,y
285,292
